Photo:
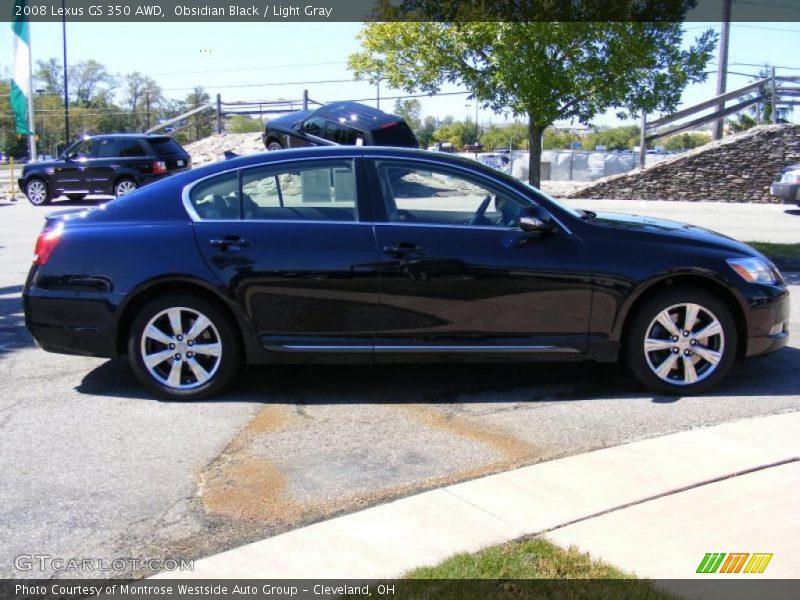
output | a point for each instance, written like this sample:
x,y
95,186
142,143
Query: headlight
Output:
x,y
755,270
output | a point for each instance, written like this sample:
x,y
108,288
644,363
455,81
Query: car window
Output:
x,y
397,133
339,133
83,149
165,146
105,148
314,126
319,191
417,194
131,148
217,198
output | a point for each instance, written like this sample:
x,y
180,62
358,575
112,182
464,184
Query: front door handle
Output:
x,y
403,249
229,242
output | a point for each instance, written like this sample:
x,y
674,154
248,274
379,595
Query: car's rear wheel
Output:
x,y
124,186
681,342
76,197
273,145
37,192
183,348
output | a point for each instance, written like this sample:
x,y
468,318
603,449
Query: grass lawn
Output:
x,y
522,569
776,250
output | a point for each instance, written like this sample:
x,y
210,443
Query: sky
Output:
x,y
247,61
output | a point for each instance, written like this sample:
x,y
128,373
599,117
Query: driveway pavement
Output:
x,y
92,466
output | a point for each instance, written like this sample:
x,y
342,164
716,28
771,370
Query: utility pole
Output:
x,y
722,63
147,108
643,141
774,114
219,113
66,78
196,117
378,89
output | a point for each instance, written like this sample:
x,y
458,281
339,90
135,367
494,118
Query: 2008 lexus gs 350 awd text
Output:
x,y
378,254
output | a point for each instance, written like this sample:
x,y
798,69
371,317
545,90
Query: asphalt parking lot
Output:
x,y
93,467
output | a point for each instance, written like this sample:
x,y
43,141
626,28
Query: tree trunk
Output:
x,y
535,133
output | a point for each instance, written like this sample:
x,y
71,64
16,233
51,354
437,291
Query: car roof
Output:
x,y
355,112
343,151
138,136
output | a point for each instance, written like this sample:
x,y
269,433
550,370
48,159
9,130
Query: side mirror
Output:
x,y
535,219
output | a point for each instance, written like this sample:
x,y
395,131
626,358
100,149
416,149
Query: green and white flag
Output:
x,y
21,83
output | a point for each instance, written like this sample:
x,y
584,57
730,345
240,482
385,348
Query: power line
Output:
x,y
770,4
319,64
766,28
249,85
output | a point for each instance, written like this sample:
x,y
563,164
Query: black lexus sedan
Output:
x,y
109,164
338,123
383,254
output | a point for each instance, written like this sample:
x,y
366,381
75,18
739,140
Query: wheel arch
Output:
x,y
181,285
704,282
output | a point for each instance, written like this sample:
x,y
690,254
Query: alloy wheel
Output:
x,y
126,186
181,348
37,192
684,344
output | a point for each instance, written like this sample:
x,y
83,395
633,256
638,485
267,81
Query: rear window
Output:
x,y
130,148
165,146
395,134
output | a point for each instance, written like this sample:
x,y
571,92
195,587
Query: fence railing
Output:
x,y
757,92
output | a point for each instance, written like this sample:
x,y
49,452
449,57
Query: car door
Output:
x,y
309,133
100,168
70,175
301,261
457,273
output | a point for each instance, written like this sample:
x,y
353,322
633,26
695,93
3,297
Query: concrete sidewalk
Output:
x,y
654,507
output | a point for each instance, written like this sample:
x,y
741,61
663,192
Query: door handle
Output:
x,y
229,242
401,249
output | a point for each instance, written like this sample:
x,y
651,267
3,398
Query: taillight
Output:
x,y
46,243
159,167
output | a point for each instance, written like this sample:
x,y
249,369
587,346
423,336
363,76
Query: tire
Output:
x,y
273,145
76,197
38,192
663,364
125,185
197,374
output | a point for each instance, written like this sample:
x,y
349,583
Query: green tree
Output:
x,y
686,141
142,97
458,133
86,79
425,132
197,126
570,69
411,111
497,137
242,124
613,138
554,139
49,75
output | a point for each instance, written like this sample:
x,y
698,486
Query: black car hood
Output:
x,y
286,122
672,229
56,162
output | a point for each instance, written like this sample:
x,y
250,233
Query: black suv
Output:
x,y
103,164
339,123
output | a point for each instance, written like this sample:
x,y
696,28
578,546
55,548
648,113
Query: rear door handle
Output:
x,y
229,242
401,249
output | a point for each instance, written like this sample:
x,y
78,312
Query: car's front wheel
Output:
x,y
183,348
124,186
681,342
37,192
273,145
